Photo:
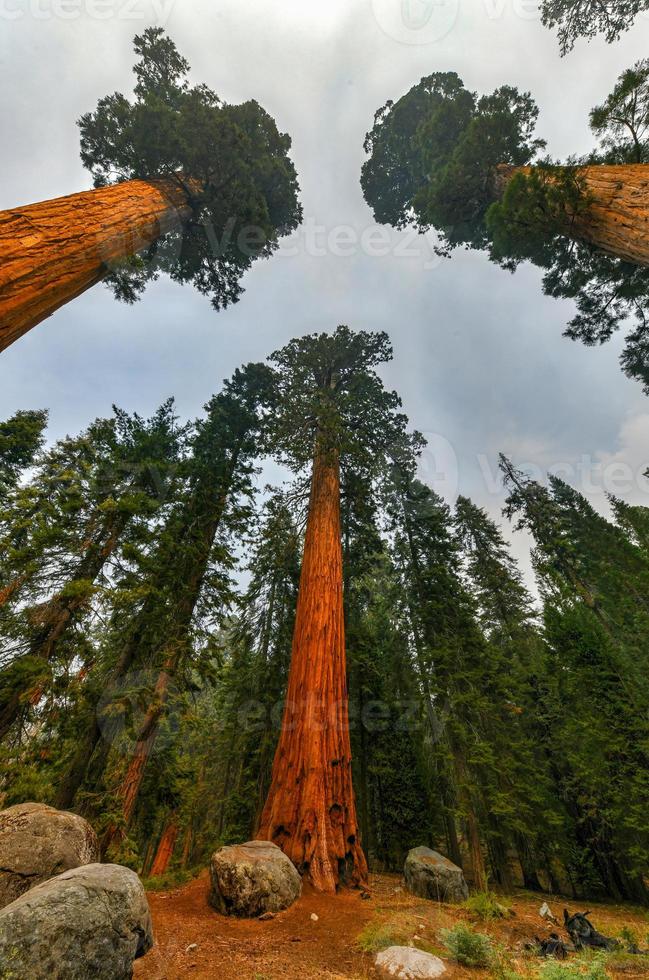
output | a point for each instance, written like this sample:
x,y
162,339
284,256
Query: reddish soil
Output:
x,y
294,947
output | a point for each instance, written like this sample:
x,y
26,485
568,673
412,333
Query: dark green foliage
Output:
x,y
231,161
594,581
433,154
442,157
503,732
588,18
327,386
622,122
21,437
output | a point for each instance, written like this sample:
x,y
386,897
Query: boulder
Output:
x,y
38,842
431,875
88,922
406,963
253,878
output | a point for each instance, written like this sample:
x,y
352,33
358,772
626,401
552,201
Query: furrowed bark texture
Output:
x,y
617,220
53,251
310,811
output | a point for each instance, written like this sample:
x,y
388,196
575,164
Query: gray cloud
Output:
x,y
479,356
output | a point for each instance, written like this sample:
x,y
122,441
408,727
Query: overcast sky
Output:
x,y
480,360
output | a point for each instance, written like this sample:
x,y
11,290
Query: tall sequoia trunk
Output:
x,y
310,811
53,251
617,219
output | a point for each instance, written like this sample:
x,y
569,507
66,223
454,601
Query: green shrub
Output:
x,y
172,879
401,930
486,906
467,947
583,968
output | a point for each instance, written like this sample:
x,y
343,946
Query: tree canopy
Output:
x,y
432,155
446,158
231,161
588,18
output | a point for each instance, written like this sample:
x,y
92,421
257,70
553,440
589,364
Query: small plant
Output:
x,y
165,882
592,968
376,936
397,931
486,907
467,947
630,938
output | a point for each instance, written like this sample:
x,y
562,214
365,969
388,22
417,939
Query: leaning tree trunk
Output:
x,y
129,788
198,543
53,251
166,846
617,218
310,811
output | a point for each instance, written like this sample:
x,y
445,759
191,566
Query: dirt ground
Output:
x,y
194,941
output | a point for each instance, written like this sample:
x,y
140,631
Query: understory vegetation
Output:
x,y
148,589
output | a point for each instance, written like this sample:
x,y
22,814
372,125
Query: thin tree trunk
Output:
x,y
475,852
187,848
617,219
129,788
53,251
310,811
166,847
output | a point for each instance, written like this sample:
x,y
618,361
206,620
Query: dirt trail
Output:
x,y
294,947
289,946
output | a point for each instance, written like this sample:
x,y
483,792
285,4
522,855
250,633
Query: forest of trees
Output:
x,y
149,607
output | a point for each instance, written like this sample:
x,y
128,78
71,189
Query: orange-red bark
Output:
x,y
129,788
310,811
617,219
53,251
166,847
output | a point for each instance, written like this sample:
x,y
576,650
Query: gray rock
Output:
x,y
38,842
91,922
431,875
405,963
253,878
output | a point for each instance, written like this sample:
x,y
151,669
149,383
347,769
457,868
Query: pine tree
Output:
x,y
530,817
21,437
593,580
63,531
190,560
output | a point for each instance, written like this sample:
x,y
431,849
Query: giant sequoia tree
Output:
x,y
185,184
468,166
332,408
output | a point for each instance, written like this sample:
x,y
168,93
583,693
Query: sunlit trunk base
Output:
x,y
617,220
53,251
310,811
